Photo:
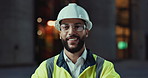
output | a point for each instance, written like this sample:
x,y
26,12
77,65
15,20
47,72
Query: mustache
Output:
x,y
72,36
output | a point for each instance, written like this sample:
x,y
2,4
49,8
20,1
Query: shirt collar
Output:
x,y
84,55
90,61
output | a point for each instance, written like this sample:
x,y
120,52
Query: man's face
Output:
x,y
73,34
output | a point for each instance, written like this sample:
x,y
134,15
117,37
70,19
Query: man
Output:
x,y
75,61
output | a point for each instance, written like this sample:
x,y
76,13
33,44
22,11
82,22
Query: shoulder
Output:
x,y
108,63
98,58
109,70
45,63
105,63
40,71
51,60
44,68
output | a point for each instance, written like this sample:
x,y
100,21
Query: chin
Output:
x,y
72,47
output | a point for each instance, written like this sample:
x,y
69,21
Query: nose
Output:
x,y
71,31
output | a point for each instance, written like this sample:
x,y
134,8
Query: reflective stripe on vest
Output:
x,y
50,66
99,66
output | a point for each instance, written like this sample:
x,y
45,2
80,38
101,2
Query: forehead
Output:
x,y
72,20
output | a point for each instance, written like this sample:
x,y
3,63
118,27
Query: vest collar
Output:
x,y
90,61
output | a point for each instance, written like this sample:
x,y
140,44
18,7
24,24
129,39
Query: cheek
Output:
x,y
63,36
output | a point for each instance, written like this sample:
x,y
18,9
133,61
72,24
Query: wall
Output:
x,y
16,32
139,28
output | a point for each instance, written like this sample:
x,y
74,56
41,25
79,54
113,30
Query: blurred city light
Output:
x,y
122,45
39,32
51,23
39,20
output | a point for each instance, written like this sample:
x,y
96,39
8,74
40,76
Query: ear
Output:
x,y
87,31
86,35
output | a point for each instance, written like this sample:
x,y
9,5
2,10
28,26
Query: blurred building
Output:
x,y
16,32
28,35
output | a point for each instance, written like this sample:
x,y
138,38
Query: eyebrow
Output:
x,y
74,23
77,23
64,23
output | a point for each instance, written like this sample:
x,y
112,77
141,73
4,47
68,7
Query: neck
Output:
x,y
74,56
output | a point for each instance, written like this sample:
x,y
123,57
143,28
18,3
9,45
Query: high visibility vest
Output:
x,y
94,67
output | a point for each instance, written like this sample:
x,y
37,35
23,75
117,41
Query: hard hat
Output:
x,y
73,11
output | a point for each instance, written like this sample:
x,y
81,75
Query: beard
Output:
x,y
77,48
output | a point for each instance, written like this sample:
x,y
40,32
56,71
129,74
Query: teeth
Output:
x,y
73,39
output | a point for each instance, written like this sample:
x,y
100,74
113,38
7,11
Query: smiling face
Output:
x,y
73,34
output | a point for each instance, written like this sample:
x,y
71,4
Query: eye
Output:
x,y
64,27
77,27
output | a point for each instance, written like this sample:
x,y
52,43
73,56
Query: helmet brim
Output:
x,y
87,22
